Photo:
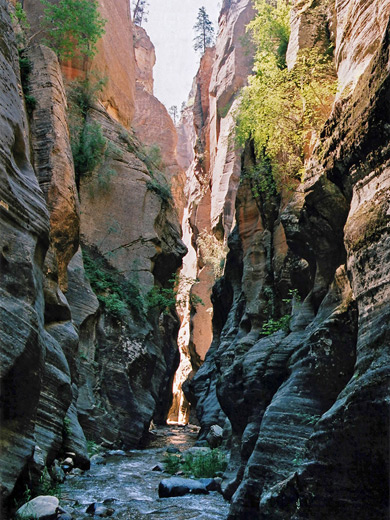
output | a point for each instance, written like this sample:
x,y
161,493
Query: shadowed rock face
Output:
x,y
65,362
24,241
307,407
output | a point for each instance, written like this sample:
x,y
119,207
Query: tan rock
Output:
x,y
53,159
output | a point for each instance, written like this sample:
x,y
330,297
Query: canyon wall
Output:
x,y
306,407
88,346
213,174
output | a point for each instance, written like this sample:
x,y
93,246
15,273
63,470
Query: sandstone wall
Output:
x,y
213,176
69,366
114,59
307,406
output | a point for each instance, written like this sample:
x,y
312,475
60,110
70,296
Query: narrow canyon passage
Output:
x,y
128,485
197,290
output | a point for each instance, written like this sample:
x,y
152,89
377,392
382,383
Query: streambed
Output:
x,y
129,486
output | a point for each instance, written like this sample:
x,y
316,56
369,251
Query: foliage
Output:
x,y
25,70
200,465
90,149
173,112
67,426
272,325
271,29
21,25
83,93
212,251
204,31
261,179
140,12
93,448
114,292
46,486
161,188
281,108
163,298
73,26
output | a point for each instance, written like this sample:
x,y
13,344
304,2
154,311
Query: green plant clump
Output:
x,y
199,465
25,70
282,108
114,293
272,325
74,27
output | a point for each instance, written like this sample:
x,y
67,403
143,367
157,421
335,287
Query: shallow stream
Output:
x,y
128,485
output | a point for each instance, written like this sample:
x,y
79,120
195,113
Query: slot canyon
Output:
x,y
195,310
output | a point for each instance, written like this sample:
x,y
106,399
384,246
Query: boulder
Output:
x,y
42,507
178,487
97,509
215,436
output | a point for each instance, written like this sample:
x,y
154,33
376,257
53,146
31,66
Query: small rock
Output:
x,y
199,450
201,444
178,487
172,449
97,459
211,484
56,472
77,471
101,510
109,501
44,507
157,468
215,436
68,461
65,516
116,453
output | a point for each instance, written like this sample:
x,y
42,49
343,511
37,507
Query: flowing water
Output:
x,y
128,485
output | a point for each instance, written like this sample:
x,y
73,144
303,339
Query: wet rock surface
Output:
x,y
127,485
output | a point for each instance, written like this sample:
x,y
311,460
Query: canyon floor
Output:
x,y
129,486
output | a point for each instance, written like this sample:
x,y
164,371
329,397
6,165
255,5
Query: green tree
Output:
x,y
204,31
74,27
282,108
140,12
173,112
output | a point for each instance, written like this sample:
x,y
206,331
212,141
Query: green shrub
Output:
x,y
93,448
160,188
88,149
73,26
163,298
25,70
113,291
280,108
83,93
199,465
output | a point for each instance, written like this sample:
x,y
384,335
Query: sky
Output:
x,y
170,27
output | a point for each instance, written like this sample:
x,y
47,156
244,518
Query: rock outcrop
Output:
x,y
74,364
213,176
24,242
307,405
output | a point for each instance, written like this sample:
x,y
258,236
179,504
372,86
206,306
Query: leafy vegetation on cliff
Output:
x,y
74,27
282,109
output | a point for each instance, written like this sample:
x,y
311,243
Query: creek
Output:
x,y
128,485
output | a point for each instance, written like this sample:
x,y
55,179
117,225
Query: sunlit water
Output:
x,y
129,485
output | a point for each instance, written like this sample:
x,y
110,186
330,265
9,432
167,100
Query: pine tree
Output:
x,y
140,12
204,31
173,112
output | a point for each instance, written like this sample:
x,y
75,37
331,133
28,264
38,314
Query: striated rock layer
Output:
x,y
72,366
307,406
213,175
